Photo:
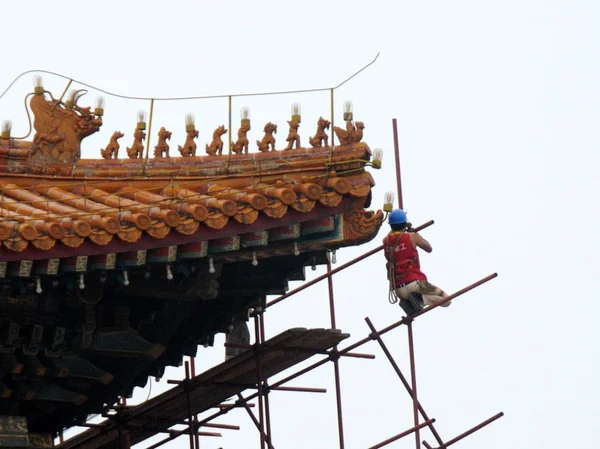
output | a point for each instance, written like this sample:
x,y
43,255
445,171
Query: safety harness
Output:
x,y
391,268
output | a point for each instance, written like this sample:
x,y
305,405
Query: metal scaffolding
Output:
x,y
127,425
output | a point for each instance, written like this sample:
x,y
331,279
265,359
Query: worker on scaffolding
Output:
x,y
407,282
238,334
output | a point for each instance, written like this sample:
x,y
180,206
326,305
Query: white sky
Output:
x,y
497,104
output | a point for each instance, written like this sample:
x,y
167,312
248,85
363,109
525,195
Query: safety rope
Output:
x,y
391,269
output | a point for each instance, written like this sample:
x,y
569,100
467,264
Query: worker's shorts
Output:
x,y
431,293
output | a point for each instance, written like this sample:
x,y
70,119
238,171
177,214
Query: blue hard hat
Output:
x,y
397,216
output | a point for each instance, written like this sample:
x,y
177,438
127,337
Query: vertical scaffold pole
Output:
x,y
193,374
397,160
413,375
189,405
336,366
261,415
266,393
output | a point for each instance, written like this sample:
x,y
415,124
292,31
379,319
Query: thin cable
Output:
x,y
200,97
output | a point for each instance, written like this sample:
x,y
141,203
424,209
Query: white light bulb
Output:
x,y
70,99
254,260
38,83
81,283
296,250
377,157
38,286
388,201
6,127
211,266
189,119
125,278
333,256
389,197
348,106
245,113
296,109
169,272
100,100
141,116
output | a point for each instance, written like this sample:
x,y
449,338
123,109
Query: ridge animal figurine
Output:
x,y
321,135
189,147
59,130
352,133
162,147
293,136
241,145
216,146
112,149
137,149
268,139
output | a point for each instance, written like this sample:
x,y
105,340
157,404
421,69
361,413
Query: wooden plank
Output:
x,y
211,387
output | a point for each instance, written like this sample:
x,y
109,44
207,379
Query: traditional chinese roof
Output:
x,y
112,269
107,207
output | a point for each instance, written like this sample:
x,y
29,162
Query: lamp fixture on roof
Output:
x,y
125,278
254,259
99,109
38,84
6,127
81,282
388,201
296,112
190,122
38,286
296,250
348,107
377,157
70,99
169,272
211,266
141,119
245,116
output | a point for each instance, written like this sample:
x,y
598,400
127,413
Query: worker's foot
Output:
x,y
407,307
416,301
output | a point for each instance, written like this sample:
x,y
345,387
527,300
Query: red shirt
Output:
x,y
407,267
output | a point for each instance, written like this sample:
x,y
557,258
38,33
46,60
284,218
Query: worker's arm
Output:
x,y
420,242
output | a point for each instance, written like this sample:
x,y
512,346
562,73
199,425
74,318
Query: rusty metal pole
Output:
x,y
189,404
336,366
413,376
261,417
388,354
196,434
253,418
403,434
127,440
267,407
397,160
471,430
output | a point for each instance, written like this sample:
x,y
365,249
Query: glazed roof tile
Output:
x,y
73,212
